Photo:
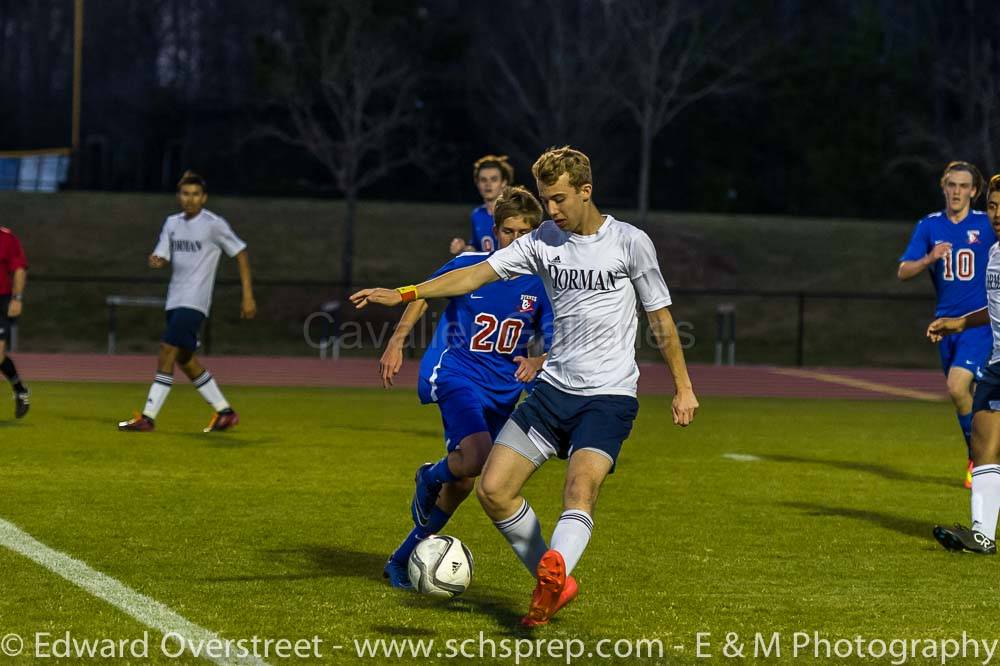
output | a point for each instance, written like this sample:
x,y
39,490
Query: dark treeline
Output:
x,y
839,108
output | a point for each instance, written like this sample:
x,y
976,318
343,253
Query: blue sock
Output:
x,y
440,473
438,519
965,423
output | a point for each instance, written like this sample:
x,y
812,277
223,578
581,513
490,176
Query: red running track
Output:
x,y
709,380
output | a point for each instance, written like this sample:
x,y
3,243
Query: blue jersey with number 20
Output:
x,y
960,276
479,334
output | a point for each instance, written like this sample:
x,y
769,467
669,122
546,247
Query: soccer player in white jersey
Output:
x,y
192,241
981,538
596,270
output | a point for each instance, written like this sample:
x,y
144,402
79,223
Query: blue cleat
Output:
x,y
397,575
424,497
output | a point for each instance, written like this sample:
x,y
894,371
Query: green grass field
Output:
x,y
280,528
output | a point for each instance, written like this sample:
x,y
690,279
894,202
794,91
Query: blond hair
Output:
x,y
554,162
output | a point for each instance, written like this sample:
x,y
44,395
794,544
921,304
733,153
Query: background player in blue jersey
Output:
x,y
491,173
474,370
953,246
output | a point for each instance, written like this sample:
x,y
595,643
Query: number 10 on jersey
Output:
x,y
963,265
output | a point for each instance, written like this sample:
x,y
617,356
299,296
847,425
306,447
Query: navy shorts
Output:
x,y
5,321
987,396
553,423
183,325
969,349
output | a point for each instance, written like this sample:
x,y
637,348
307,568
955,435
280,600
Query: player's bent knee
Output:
x,y
471,454
581,494
492,495
462,487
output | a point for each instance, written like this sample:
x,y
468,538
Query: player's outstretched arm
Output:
x,y
248,306
392,357
452,283
951,325
685,403
911,269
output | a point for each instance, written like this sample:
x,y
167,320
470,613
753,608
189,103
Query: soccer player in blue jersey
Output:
x,y
491,173
952,246
474,370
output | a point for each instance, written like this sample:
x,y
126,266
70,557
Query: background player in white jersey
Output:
x,y
490,173
595,269
981,538
192,242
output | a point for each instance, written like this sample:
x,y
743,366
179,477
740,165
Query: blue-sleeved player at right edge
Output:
x,y
952,246
475,370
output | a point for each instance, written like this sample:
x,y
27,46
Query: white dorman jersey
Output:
x,y
592,282
193,248
993,299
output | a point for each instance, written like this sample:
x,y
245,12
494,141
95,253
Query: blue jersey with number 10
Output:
x,y
482,230
959,277
479,334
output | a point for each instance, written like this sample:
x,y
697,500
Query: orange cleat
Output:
x,y
968,477
569,593
549,590
138,423
222,421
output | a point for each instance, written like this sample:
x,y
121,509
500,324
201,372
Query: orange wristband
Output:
x,y
408,293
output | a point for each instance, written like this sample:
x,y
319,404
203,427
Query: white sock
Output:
x,y
571,536
158,393
205,383
524,534
986,499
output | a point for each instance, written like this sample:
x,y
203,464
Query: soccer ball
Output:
x,y
440,566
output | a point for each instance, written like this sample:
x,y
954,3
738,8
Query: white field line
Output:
x,y
149,612
742,457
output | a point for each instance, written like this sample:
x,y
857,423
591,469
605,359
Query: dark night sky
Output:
x,y
834,108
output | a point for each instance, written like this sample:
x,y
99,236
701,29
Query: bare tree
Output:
x,y
674,54
538,69
958,116
348,91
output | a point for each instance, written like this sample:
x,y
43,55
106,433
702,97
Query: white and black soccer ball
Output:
x,y
440,566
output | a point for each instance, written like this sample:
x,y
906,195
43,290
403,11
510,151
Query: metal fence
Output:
x,y
297,317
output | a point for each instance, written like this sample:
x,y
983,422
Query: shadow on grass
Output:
x,y
310,562
883,471
226,440
506,612
109,421
313,561
408,432
906,526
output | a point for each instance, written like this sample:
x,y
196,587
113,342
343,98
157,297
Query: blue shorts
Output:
x,y
559,423
466,408
969,349
183,325
987,396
